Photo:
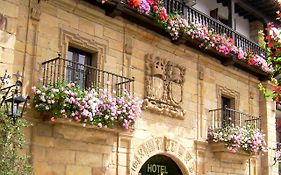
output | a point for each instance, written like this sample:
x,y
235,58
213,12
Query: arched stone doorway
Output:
x,y
163,146
160,165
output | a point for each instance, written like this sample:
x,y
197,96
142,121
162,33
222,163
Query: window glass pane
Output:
x,y
81,59
69,68
70,55
76,68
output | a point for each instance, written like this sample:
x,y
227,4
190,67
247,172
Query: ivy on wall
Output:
x,y
12,142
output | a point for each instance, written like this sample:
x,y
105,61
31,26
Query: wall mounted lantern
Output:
x,y
15,104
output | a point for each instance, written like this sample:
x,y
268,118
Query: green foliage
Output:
x,y
12,140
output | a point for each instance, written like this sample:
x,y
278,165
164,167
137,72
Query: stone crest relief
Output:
x,y
164,87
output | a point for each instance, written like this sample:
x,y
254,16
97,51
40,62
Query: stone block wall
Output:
x,y
62,148
42,30
9,13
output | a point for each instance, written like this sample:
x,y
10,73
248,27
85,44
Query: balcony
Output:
x,y
121,8
222,117
193,15
231,144
59,69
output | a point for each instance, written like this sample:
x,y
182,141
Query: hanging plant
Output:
x,y
12,141
177,25
247,138
92,107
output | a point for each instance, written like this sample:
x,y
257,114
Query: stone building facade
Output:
x,y
173,125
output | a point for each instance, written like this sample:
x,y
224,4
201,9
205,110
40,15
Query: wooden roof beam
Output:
x,y
252,10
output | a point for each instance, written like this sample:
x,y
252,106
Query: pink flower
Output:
x,y
240,54
33,89
38,92
151,2
163,14
155,8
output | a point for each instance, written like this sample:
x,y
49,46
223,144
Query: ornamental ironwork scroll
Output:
x,y
164,87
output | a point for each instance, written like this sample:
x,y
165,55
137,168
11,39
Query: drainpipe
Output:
x,y
25,47
199,109
117,153
31,147
250,166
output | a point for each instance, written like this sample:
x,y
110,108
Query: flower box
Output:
x,y
223,154
93,107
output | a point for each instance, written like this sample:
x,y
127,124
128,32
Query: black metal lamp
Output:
x,y
15,106
15,103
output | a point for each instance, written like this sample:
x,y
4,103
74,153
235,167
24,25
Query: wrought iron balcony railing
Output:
x,y
59,69
196,16
225,116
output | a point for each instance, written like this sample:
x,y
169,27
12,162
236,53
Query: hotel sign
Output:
x,y
160,165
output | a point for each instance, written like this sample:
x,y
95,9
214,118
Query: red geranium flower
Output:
x,y
276,89
151,2
155,8
163,14
251,61
270,44
277,99
134,3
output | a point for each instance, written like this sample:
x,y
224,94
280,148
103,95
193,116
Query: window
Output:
x,y
80,67
228,113
214,14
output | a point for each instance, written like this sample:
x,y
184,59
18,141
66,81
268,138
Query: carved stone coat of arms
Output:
x,y
164,87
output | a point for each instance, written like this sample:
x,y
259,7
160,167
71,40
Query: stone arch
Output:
x,y
161,164
163,146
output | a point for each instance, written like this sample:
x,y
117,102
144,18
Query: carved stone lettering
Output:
x,y
136,163
162,145
171,146
192,167
159,143
164,87
181,151
150,147
188,157
141,152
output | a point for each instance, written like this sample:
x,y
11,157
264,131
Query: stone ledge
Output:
x,y
73,123
224,155
201,147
